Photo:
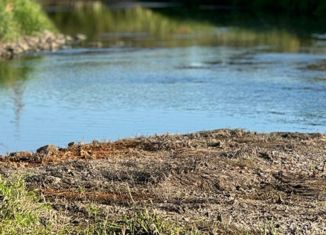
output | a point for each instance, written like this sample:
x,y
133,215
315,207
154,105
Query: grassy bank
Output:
x,y
22,17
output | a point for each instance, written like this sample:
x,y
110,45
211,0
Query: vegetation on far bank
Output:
x,y
286,7
22,17
173,27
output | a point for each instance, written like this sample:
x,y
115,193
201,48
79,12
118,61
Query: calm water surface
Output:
x,y
158,86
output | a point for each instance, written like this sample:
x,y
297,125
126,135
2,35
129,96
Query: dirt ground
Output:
x,y
236,180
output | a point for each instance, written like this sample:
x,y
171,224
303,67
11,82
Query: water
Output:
x,y
166,85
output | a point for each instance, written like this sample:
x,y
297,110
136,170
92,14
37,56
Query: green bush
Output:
x,y
22,17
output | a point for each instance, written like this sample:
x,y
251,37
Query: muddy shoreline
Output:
x,y
235,180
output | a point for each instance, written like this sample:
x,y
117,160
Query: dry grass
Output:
x,y
229,181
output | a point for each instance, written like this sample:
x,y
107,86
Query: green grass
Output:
x,y
22,17
21,211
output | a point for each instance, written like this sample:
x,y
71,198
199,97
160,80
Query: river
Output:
x,y
144,72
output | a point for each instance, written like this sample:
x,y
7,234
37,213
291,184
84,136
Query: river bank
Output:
x,y
229,181
25,28
46,41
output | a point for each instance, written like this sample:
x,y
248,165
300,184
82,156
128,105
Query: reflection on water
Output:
x,y
136,26
146,28
158,74
12,73
12,77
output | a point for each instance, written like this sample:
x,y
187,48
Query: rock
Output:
x,y
216,144
96,44
47,149
10,47
18,50
54,46
44,41
6,54
84,154
60,41
53,180
23,45
71,144
23,155
68,39
80,37
49,40
47,33
32,41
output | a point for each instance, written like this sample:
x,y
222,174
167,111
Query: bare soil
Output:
x,y
238,181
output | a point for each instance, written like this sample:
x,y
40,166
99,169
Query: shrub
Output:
x,y
22,17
